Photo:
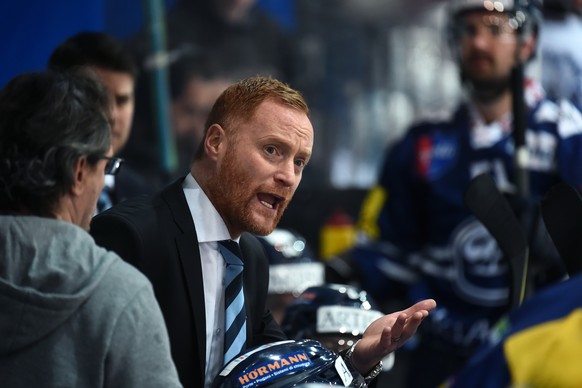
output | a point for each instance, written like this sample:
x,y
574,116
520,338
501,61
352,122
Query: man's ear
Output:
x,y
79,176
215,138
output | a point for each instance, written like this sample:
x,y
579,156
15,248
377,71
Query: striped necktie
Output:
x,y
235,318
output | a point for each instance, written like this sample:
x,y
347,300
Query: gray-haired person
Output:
x,y
72,314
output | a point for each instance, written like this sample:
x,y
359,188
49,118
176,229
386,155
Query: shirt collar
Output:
x,y
207,221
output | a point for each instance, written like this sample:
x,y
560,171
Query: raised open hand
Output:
x,y
388,333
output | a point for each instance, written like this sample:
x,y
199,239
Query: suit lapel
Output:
x,y
189,256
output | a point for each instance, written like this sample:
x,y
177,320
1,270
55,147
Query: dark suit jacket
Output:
x,y
156,234
129,183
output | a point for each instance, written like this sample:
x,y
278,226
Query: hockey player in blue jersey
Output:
x,y
419,233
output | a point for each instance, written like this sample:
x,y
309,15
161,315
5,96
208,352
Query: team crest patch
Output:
x,y
435,154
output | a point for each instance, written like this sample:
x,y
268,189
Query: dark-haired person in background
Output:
x,y
115,68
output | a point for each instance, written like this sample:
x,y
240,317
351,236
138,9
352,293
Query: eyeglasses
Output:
x,y
113,165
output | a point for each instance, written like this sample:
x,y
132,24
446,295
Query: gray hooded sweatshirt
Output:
x,y
75,315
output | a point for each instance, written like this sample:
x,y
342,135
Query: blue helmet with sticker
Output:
x,y
293,267
292,264
335,314
288,363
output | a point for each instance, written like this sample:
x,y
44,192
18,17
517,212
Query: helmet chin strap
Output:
x,y
519,126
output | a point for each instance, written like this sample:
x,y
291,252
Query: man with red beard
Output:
x,y
258,140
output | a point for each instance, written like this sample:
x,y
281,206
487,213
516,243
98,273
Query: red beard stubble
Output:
x,y
232,190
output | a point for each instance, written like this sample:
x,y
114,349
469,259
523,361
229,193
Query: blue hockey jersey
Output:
x,y
424,236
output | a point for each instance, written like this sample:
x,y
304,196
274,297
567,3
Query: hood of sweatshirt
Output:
x,y
48,268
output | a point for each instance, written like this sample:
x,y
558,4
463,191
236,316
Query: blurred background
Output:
x,y
367,68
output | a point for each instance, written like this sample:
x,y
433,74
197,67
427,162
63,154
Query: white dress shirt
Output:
x,y
210,228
